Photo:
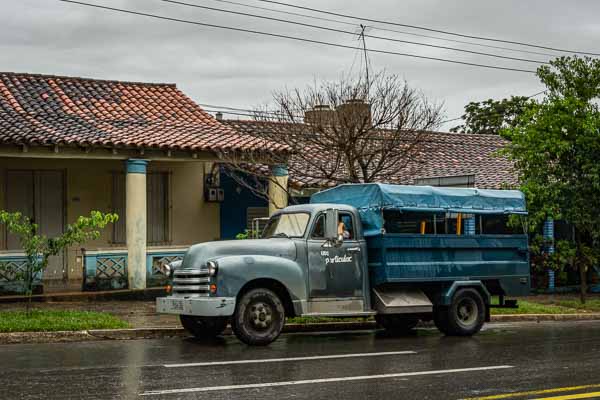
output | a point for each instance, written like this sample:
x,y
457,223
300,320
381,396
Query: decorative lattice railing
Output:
x,y
107,269
13,266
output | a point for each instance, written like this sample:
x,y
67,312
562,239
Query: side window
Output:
x,y
499,224
456,224
424,223
346,225
319,228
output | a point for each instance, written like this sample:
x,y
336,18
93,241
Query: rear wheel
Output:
x,y
397,324
464,317
204,327
259,317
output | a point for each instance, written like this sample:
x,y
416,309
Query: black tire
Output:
x,y
464,317
397,324
204,327
258,318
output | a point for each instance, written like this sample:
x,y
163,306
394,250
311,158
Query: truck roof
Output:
x,y
371,198
310,208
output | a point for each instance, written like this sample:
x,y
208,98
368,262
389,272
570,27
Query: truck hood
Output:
x,y
197,255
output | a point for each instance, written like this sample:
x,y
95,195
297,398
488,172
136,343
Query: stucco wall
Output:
x,y
89,187
193,219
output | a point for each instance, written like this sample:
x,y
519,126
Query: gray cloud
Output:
x,y
241,70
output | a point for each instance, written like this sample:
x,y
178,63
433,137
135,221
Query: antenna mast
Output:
x,y
366,55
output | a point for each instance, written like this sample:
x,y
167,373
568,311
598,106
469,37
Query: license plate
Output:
x,y
177,305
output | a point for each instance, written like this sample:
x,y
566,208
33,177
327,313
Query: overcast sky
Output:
x,y
237,69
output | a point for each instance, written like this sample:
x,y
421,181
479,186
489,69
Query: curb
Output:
x,y
545,317
161,333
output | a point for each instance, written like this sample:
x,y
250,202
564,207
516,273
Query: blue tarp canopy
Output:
x,y
371,198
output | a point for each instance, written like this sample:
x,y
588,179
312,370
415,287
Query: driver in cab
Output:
x,y
343,232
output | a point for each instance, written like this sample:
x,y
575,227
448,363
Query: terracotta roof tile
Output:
x,y
442,155
42,109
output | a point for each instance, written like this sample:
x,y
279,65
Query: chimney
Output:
x,y
219,116
320,114
356,109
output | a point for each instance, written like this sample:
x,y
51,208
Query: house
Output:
x,y
142,150
445,159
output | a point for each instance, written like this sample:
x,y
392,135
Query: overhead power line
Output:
x,y
299,39
237,113
379,28
363,35
248,111
429,29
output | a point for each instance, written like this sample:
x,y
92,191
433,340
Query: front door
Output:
x,y
335,272
40,196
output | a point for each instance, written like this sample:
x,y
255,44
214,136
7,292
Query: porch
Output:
x,y
144,151
162,210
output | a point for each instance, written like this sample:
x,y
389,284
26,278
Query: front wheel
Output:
x,y
259,317
464,317
204,327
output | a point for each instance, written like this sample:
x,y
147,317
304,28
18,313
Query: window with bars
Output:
x,y
157,207
256,216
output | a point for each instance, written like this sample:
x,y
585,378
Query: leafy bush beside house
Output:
x,y
38,248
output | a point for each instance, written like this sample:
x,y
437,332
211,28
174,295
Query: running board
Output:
x,y
392,300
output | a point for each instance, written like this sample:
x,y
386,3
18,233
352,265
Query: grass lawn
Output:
x,y
46,320
553,304
532,307
591,305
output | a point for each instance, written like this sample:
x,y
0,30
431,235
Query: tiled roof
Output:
x,y
440,155
55,110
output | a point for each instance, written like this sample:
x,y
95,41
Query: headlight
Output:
x,y
212,267
165,269
168,269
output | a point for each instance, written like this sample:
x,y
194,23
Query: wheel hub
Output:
x,y
467,312
260,315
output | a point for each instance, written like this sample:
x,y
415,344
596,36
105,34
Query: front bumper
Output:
x,y
200,306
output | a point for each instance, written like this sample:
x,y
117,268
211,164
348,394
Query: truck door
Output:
x,y
335,272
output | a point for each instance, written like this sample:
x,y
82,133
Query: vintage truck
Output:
x,y
398,253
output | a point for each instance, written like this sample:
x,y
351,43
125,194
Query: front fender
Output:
x,y
235,271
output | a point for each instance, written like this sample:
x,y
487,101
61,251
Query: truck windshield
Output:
x,y
286,225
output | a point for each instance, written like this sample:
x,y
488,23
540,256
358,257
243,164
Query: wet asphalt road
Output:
x,y
502,359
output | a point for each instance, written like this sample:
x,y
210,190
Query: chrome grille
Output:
x,y
191,282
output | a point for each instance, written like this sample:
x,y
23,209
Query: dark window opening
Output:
x,y
414,222
501,224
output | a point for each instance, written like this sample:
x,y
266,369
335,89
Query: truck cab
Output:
x,y
337,258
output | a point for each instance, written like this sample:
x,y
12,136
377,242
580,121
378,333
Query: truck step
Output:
x,y
393,300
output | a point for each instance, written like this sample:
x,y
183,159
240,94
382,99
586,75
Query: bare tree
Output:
x,y
347,131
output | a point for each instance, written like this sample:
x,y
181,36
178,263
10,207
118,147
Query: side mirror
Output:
x,y
331,226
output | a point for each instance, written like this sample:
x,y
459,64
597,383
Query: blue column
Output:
x,y
136,166
135,210
549,248
278,183
470,225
